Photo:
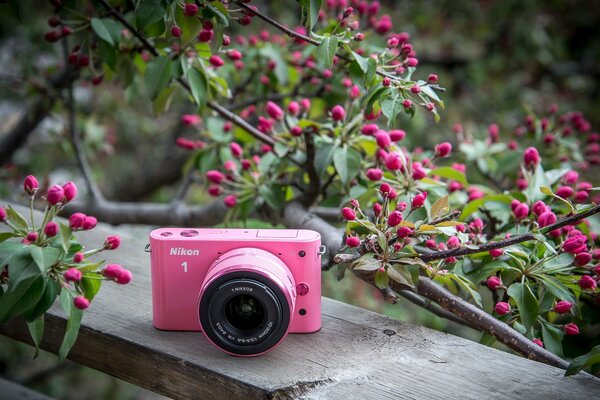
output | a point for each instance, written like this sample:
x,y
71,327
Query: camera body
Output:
x,y
245,289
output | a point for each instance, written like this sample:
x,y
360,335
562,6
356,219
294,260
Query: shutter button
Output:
x,y
302,289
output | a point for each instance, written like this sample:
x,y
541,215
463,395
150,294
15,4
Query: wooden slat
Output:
x,y
356,355
12,390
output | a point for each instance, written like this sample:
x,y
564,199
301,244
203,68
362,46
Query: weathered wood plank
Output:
x,y
356,355
12,390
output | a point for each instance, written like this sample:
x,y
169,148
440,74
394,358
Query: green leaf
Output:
x,y
382,280
439,208
281,68
401,275
429,92
163,101
90,284
347,163
190,26
362,62
36,330
586,360
449,173
366,263
474,205
391,106
552,338
6,235
107,29
273,194
199,86
281,149
149,12
528,305
65,237
157,75
73,324
554,286
44,257
310,12
546,190
24,290
16,219
326,50
487,339
323,155
46,301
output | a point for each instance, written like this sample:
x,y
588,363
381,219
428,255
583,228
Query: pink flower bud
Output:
x,y
562,307
216,61
294,108
236,150
124,277
76,220
419,200
112,242
31,184
78,257
546,218
377,208
89,223
190,10
538,342
571,177
112,271
392,194
443,149
587,282
404,232
393,162
453,242
215,176
374,174
230,201
582,259
397,135
190,119
581,196
521,211
395,218
354,92
502,308
305,103
407,103
385,188
205,36
55,195
32,236
539,207
354,203
348,214
383,139
81,302
352,241
415,89
176,31
432,78
531,157
369,129
565,192
494,282
296,131
51,229
338,113
274,110
3,215
72,275
495,253
571,329
70,191
401,206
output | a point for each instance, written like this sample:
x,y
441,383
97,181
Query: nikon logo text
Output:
x,y
180,251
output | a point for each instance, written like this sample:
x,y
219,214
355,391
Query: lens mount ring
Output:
x,y
225,335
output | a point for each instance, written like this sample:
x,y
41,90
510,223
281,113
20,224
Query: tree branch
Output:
x,y
296,216
463,251
31,117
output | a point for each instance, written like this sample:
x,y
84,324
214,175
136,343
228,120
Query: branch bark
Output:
x,y
33,115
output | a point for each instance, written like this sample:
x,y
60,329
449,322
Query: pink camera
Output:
x,y
246,289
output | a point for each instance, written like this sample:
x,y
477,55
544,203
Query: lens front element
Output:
x,y
244,312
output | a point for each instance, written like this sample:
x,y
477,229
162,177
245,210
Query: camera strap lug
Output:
x,y
322,250
147,249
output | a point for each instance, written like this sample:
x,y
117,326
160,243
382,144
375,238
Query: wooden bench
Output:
x,y
357,354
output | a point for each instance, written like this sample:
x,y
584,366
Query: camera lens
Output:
x,y
247,301
244,312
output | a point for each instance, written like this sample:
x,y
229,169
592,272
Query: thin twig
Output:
x,y
78,147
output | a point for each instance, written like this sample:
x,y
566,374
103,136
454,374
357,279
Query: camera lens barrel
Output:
x,y
247,302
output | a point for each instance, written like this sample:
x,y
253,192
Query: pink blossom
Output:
x,y
348,214
230,201
112,242
81,302
338,113
55,195
502,308
352,241
274,111
72,275
494,282
31,184
374,174
562,307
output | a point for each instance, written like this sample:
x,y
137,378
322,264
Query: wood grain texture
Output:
x,y
356,355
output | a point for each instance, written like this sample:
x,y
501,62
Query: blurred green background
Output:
x,y
496,59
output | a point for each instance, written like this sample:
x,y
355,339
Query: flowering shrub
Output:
x,y
40,261
495,214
